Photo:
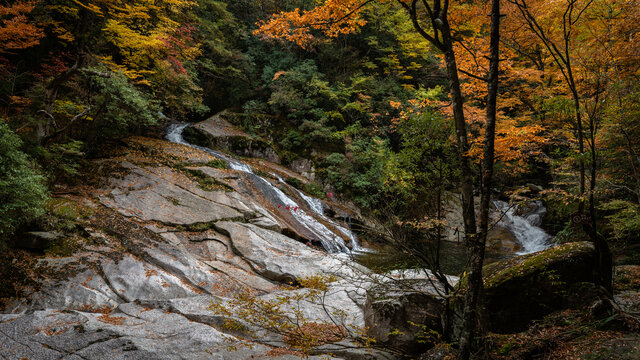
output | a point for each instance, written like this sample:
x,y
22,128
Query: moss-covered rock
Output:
x,y
526,288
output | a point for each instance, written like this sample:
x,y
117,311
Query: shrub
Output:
x,y
22,189
123,109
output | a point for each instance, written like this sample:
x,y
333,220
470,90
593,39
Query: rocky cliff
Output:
x,y
164,235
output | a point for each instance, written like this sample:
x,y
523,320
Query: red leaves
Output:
x,y
53,65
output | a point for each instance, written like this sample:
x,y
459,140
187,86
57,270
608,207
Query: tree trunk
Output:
x,y
477,242
466,178
605,260
580,136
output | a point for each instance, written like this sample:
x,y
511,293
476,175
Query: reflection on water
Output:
x,y
453,258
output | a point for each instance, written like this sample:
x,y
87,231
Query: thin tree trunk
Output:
x,y
605,260
466,178
442,39
478,242
580,136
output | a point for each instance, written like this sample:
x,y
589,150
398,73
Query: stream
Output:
x,y
311,216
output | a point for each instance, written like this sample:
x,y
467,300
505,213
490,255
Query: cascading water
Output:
x,y
525,228
330,241
316,206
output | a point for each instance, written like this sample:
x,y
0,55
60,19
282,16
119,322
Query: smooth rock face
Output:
x,y
159,252
164,195
278,258
133,332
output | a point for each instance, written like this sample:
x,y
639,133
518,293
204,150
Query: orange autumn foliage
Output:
x,y
516,140
16,31
333,18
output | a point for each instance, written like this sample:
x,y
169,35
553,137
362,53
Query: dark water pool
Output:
x,y
453,258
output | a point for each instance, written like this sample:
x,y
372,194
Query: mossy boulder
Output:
x,y
528,287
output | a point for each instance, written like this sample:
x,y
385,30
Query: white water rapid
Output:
x,y
526,227
332,242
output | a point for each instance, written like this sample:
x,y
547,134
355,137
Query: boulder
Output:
x,y
503,240
399,321
526,288
217,133
280,258
403,314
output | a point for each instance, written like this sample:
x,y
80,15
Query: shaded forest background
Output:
x,y
369,108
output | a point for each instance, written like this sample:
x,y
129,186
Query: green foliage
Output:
x,y
560,205
22,188
63,215
217,164
295,182
360,174
122,107
314,190
623,219
571,233
310,188
424,166
64,246
506,348
62,160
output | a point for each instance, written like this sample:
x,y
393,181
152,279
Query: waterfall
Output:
x,y
316,206
329,239
526,227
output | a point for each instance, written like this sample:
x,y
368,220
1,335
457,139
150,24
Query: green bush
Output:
x,y
571,233
623,218
123,109
22,190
